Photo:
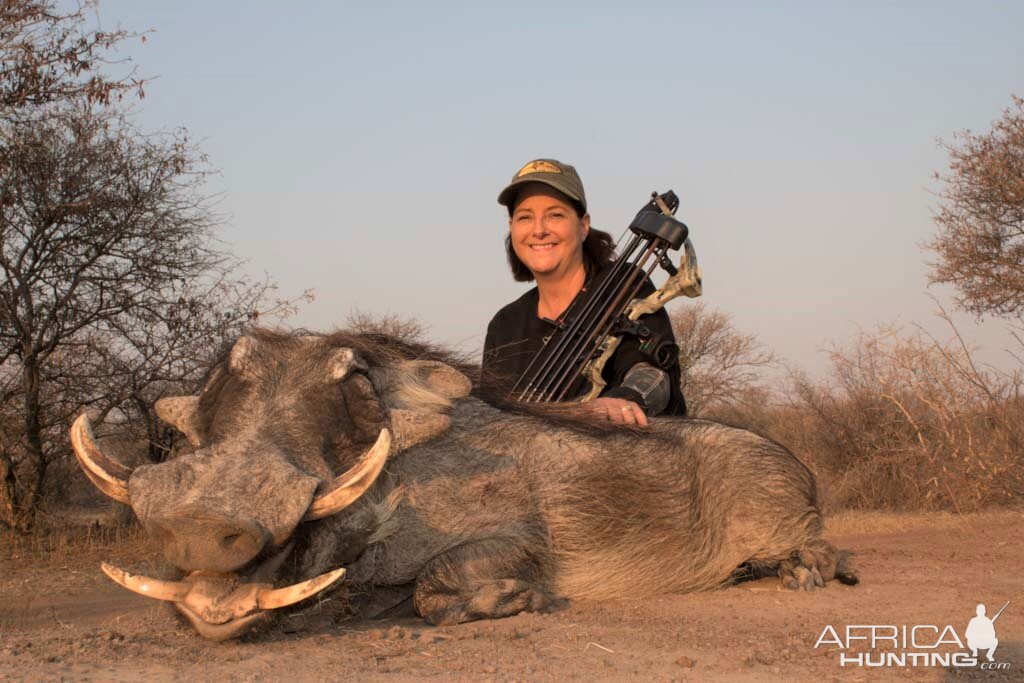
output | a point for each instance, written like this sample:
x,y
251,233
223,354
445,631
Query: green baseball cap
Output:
x,y
550,172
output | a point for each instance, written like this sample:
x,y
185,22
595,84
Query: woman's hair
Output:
x,y
598,250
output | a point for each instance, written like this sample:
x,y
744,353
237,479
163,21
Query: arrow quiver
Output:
x,y
595,323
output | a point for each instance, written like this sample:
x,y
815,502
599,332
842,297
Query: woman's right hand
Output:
x,y
617,410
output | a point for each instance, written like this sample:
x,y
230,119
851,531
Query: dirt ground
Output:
x,y
61,619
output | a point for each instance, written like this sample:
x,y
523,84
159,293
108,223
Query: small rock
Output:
x,y
686,662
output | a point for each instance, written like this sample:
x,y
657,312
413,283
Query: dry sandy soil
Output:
x,y
61,619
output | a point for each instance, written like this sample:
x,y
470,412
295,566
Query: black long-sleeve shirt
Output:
x,y
516,334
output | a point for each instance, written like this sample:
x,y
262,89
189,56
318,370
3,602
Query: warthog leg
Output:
x,y
480,580
811,567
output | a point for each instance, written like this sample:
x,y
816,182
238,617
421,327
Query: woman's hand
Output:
x,y
618,410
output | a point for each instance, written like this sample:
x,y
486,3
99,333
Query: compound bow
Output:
x,y
595,323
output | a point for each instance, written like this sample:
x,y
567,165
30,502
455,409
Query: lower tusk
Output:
x,y
273,598
174,591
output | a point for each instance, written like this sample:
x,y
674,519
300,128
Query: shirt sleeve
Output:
x,y
629,355
486,361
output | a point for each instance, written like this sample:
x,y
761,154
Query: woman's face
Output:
x,y
547,234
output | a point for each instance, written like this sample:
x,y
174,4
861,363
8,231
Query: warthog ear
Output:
x,y
241,354
182,413
343,362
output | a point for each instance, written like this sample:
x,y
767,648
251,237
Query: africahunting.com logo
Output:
x,y
919,645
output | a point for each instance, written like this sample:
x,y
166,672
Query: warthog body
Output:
x,y
481,512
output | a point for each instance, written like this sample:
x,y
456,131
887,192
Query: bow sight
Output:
x,y
590,330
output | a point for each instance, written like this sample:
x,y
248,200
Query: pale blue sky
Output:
x,y
362,144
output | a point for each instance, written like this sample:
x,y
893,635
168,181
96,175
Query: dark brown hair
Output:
x,y
598,250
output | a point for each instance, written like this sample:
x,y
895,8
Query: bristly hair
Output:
x,y
380,349
376,347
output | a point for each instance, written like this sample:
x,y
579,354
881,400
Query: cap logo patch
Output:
x,y
538,166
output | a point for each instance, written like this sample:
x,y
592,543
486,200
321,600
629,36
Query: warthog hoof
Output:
x,y
809,569
489,600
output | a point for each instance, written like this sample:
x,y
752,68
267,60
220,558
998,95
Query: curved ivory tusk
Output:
x,y
347,488
175,591
273,598
109,476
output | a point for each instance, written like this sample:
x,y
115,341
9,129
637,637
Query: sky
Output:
x,y
361,145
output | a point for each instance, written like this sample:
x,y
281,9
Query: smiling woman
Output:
x,y
550,241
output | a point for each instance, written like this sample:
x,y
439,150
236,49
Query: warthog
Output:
x,y
479,511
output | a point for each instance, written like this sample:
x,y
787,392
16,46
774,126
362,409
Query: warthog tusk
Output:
x,y
346,488
282,597
109,476
175,591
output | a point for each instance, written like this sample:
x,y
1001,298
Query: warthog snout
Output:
x,y
198,539
217,511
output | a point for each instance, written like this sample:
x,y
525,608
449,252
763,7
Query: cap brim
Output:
x,y
508,195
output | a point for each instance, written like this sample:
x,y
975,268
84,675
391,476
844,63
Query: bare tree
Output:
x,y
113,289
980,243
49,54
720,366
111,281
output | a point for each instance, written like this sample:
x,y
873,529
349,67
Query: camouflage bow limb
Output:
x,y
688,282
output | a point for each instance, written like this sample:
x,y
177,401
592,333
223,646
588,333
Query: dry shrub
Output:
x,y
720,366
909,422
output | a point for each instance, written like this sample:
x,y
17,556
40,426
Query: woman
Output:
x,y
550,241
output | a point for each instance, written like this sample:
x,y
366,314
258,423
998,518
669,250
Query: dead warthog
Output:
x,y
481,512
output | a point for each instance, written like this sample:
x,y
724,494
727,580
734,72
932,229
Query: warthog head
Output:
x,y
287,430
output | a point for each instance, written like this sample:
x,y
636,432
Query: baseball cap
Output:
x,y
550,172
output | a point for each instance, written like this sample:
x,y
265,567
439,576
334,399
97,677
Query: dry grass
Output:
x,y
906,422
60,542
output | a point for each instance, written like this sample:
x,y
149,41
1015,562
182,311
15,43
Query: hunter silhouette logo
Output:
x,y
917,645
981,632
